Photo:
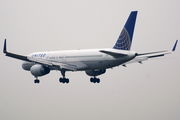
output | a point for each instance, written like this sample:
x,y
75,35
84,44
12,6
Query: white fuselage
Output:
x,y
90,59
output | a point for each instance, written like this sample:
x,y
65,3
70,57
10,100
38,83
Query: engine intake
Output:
x,y
39,70
95,72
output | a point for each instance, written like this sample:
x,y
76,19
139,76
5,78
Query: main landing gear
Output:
x,y
63,80
95,80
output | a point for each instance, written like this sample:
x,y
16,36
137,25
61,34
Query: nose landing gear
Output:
x,y
63,80
36,81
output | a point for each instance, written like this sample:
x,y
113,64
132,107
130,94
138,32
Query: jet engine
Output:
x,y
95,72
27,65
39,70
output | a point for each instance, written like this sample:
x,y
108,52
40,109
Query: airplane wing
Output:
x,y
145,56
20,57
56,65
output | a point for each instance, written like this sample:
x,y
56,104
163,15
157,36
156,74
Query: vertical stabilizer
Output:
x,y
125,39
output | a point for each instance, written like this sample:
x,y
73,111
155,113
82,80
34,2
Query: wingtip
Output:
x,y
4,50
135,11
174,48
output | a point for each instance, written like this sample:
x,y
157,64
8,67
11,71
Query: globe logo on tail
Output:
x,y
123,42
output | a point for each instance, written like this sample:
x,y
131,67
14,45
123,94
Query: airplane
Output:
x,y
93,61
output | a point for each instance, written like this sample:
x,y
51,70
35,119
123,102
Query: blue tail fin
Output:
x,y
125,39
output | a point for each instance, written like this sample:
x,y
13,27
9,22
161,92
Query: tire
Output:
x,y
98,80
36,81
91,79
60,80
67,80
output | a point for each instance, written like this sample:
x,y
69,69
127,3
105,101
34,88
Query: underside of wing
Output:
x,y
56,65
137,60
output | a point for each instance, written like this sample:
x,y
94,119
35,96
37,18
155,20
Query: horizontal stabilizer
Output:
x,y
116,55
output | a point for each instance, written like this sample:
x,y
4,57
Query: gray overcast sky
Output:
x,y
138,92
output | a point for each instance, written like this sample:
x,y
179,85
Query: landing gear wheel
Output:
x,y
91,79
63,80
95,80
60,80
67,80
36,81
98,80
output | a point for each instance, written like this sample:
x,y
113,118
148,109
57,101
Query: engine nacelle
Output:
x,y
39,70
95,72
27,65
